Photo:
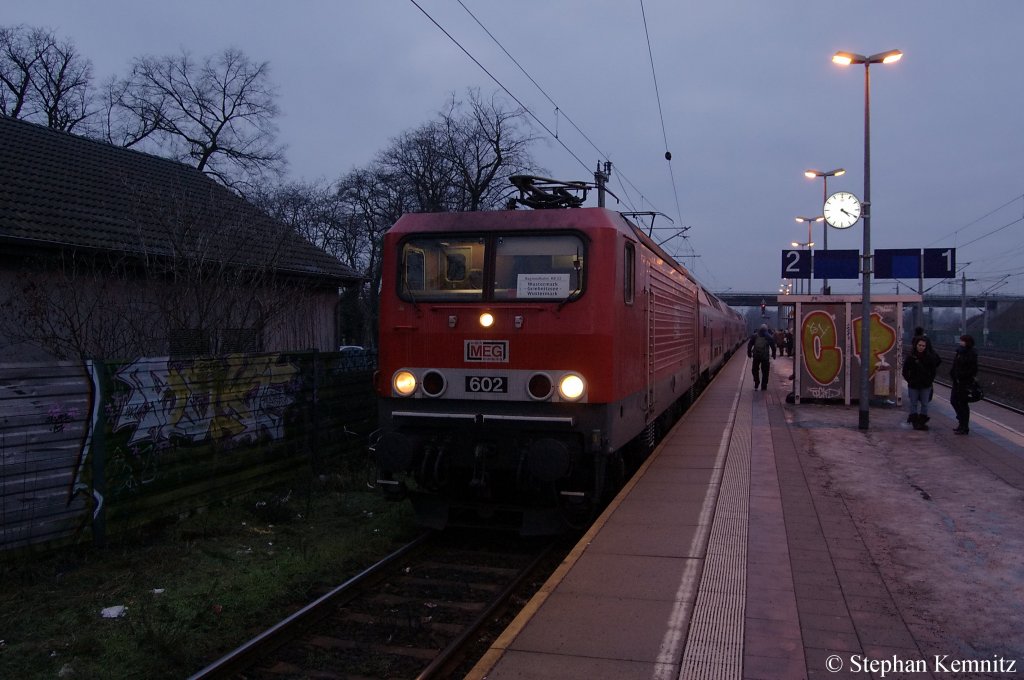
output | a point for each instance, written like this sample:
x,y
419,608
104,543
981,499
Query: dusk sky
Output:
x,y
749,99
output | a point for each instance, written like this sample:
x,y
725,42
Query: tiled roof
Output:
x,y
60,190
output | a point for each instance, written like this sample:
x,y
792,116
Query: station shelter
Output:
x,y
827,353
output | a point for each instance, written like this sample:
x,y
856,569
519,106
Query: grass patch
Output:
x,y
193,589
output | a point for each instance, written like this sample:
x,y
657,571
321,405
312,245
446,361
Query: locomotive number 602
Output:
x,y
486,383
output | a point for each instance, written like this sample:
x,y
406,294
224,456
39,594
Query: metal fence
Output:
x,y
87,448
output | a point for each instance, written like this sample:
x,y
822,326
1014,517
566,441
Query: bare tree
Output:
x,y
217,115
418,159
43,79
463,159
127,120
310,209
485,144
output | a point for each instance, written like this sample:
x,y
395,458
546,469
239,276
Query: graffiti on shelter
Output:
x,y
820,347
229,399
822,350
883,339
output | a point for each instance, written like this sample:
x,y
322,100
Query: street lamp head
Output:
x,y
819,218
890,57
847,58
811,174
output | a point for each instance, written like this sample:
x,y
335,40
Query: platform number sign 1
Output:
x,y
939,263
796,264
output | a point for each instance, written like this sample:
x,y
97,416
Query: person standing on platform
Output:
x,y
963,373
919,369
758,348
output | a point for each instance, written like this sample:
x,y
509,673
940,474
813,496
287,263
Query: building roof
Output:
x,y
59,190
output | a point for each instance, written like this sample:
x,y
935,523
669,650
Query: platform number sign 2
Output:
x,y
796,264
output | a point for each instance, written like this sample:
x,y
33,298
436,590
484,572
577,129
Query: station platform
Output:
x,y
770,540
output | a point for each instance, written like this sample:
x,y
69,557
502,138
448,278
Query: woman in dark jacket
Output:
x,y
919,368
963,373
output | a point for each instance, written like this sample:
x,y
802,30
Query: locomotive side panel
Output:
x,y
673,351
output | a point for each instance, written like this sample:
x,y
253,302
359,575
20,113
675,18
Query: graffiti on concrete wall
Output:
x,y
230,399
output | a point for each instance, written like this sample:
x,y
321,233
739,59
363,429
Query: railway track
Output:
x,y
1000,373
414,614
1005,363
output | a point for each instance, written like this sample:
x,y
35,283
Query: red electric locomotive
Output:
x,y
524,354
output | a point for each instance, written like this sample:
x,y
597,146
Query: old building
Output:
x,y
110,253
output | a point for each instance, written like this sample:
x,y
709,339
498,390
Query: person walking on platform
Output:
x,y
963,373
758,347
919,369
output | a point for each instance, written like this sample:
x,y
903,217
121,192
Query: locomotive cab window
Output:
x,y
442,268
548,267
542,267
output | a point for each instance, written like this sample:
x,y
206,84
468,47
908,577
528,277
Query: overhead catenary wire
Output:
x,y
661,113
619,174
559,111
981,273
499,83
988,214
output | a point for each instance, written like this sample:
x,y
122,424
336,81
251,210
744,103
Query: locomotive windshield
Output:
x,y
493,267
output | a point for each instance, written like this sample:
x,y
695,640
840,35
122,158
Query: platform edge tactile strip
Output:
x,y
714,644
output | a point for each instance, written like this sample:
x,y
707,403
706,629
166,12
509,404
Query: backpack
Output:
x,y
760,350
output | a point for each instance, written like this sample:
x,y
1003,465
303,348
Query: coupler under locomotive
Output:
x,y
535,482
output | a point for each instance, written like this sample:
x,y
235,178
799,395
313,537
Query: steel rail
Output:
x,y
243,657
441,663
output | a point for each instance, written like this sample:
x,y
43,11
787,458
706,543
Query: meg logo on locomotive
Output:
x,y
486,351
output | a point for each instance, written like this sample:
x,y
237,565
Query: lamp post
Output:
x,y
845,59
808,244
810,221
824,175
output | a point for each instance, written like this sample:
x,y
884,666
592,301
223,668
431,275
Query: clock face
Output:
x,y
842,209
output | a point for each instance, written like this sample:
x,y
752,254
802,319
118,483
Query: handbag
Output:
x,y
975,393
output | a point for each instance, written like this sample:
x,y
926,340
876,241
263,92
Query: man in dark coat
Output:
x,y
758,348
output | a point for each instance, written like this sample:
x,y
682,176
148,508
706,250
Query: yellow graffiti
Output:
x,y
232,397
883,339
821,354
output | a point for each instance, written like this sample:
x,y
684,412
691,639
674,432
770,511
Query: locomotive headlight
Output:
x,y
486,319
404,383
571,387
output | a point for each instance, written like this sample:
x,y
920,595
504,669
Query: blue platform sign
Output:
x,y
939,263
796,264
836,264
898,263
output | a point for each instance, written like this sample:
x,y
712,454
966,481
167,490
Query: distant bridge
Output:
x,y
753,299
